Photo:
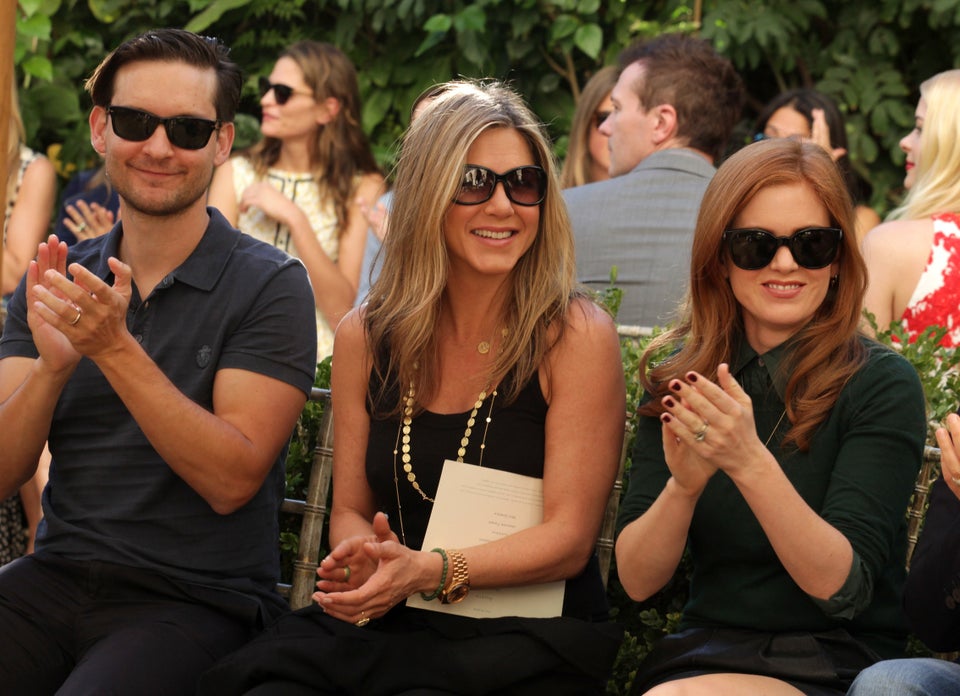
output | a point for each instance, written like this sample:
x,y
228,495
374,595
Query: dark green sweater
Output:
x,y
858,475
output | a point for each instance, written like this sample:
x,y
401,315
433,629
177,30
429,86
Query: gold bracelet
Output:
x,y
459,580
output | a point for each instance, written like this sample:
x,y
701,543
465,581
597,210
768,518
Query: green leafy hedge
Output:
x,y
870,55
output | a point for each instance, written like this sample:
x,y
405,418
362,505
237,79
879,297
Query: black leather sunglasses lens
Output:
x,y
526,185
815,247
281,93
132,125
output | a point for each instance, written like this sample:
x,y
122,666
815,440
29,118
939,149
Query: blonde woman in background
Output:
x,y
588,156
913,258
298,189
31,192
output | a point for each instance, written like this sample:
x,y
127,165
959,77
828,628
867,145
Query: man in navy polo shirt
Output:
x,y
166,363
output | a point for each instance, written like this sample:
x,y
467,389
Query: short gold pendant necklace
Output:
x,y
403,445
484,346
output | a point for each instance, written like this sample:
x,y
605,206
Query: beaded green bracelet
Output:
x,y
443,578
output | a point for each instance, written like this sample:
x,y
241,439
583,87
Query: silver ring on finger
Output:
x,y
81,226
701,434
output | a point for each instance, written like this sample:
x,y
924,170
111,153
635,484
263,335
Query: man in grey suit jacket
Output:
x,y
675,105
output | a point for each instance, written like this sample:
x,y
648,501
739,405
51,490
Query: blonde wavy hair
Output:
x,y
578,162
404,303
826,352
936,188
16,135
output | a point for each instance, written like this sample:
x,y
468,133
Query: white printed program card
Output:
x,y
475,505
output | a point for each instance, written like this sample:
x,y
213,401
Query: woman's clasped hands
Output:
x,y
363,577
708,426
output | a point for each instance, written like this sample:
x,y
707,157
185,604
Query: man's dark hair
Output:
x,y
172,45
700,84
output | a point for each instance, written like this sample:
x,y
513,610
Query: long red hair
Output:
x,y
828,350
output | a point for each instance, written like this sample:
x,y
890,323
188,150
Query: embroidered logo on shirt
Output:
x,y
203,356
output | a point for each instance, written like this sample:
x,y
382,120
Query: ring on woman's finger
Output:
x,y
346,573
956,480
81,226
76,319
364,619
701,434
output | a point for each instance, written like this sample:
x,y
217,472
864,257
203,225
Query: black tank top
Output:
x,y
514,442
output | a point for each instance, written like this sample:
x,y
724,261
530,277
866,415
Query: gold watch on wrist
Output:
x,y
459,586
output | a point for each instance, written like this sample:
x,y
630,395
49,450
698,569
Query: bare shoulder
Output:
x,y
587,328
371,186
42,168
350,335
899,235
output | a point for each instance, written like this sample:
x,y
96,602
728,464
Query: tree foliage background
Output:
x,y
869,55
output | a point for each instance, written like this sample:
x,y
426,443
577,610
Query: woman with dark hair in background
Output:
x,y
299,188
806,113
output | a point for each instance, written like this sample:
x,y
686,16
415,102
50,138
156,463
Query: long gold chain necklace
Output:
x,y
403,446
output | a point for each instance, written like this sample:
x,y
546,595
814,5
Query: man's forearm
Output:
x,y
25,417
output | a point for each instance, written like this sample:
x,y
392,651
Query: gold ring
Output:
x,y
701,434
346,573
364,620
76,319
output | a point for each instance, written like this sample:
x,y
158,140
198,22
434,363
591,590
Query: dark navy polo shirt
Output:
x,y
234,303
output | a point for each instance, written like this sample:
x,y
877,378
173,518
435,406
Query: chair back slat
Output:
x,y
929,471
314,509
605,541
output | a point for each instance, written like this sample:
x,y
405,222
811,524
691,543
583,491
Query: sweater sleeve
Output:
x,y
882,432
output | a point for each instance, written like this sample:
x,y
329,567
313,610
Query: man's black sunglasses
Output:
x,y
754,248
184,132
281,92
523,185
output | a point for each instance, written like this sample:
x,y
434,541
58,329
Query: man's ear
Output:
x,y
225,138
665,126
98,123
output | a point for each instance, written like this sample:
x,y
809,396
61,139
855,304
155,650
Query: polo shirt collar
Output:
x,y
201,269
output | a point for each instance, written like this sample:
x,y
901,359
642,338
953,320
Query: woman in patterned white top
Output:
x,y
31,192
298,189
914,259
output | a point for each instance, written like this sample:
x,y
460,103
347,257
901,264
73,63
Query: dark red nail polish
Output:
x,y
676,386
668,402
692,376
666,418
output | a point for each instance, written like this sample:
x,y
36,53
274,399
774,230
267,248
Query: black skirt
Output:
x,y
818,664
410,649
